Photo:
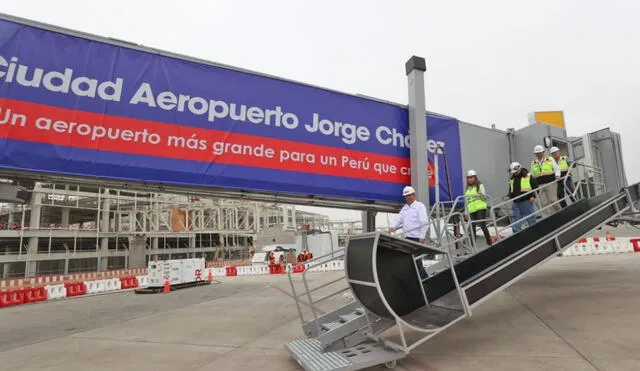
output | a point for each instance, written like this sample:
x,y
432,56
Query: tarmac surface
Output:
x,y
574,313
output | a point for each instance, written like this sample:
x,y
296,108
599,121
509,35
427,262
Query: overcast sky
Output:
x,y
488,61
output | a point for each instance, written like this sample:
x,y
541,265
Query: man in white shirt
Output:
x,y
414,222
413,217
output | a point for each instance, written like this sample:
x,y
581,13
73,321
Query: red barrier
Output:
x,y
231,271
276,269
35,294
18,296
6,299
75,288
299,268
128,282
636,244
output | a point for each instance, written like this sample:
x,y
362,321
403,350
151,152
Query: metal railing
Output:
x,y
313,302
588,185
582,181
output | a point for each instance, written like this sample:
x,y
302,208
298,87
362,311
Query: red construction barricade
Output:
x,y
75,288
18,296
6,299
276,269
299,268
128,282
231,271
35,294
636,244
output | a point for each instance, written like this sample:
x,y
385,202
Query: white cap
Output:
x,y
515,166
538,149
408,190
554,149
472,173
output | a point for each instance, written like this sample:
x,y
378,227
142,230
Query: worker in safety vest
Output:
x,y
564,165
545,171
522,192
476,201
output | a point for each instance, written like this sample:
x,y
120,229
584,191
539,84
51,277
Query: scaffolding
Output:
x,y
72,228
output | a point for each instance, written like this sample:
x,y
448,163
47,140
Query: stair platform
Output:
x,y
308,353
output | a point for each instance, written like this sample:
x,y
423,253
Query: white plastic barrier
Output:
x,y
259,270
585,249
597,248
95,287
112,284
218,272
143,281
56,292
244,270
622,247
570,251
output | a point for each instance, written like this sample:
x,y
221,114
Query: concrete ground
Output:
x,y
574,313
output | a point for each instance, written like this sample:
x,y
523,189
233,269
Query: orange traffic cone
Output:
x,y
167,287
210,277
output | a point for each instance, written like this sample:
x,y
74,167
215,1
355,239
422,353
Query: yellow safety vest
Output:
x,y
475,201
545,169
525,184
563,164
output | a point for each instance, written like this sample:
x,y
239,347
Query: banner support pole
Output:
x,y
415,68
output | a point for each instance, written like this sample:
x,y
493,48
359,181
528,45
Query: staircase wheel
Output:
x,y
390,364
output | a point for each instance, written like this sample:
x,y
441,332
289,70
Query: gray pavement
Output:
x,y
574,313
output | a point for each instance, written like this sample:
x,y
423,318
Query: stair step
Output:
x,y
311,329
331,325
308,353
350,317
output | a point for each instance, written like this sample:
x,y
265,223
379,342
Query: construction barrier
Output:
x,y
143,281
112,284
55,292
75,288
128,282
231,271
95,287
35,294
603,246
217,272
276,269
299,268
11,297
61,279
636,244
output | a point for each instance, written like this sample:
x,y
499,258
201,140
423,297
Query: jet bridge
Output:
x,y
381,272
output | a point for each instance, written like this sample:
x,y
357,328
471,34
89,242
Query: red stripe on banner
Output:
x,y
73,128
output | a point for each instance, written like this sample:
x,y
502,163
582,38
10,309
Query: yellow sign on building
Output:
x,y
555,118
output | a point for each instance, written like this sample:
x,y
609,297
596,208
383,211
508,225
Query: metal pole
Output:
x,y
415,68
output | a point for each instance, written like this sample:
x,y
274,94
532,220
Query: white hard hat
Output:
x,y
472,173
408,190
554,149
538,149
515,166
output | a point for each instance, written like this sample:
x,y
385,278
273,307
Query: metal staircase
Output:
x,y
392,295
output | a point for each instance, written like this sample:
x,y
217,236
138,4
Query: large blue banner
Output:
x,y
81,107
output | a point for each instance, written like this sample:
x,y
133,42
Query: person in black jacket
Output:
x,y
522,188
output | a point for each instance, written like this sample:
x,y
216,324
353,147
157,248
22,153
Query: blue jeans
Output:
x,y
521,210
